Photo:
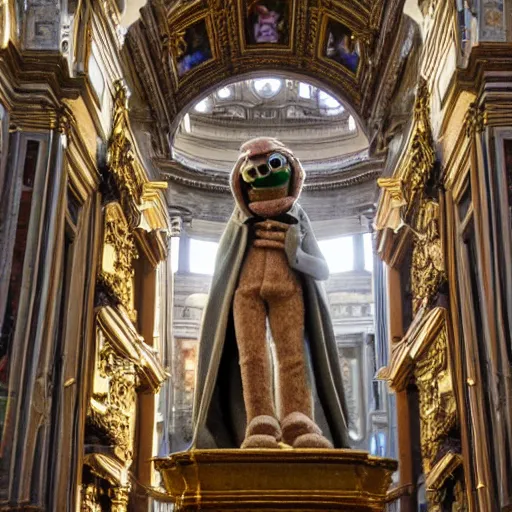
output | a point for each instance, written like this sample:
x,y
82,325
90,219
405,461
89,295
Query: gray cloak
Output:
x,y
219,418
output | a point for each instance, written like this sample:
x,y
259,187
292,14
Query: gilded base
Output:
x,y
249,480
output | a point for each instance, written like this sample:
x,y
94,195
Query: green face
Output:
x,y
272,172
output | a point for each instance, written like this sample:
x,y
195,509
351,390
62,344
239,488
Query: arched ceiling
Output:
x,y
183,49
321,132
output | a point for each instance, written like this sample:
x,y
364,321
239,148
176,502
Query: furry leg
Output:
x,y
250,328
286,318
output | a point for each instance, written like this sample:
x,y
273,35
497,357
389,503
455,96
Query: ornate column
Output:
x,y
184,254
409,216
127,368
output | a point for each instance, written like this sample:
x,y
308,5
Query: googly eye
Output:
x,y
249,174
276,161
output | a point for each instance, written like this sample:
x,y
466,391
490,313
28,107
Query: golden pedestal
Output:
x,y
284,480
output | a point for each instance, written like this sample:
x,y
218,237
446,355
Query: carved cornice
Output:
x,y
39,93
442,471
124,339
425,326
359,172
403,195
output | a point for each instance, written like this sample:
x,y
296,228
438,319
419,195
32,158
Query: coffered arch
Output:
x,y
182,50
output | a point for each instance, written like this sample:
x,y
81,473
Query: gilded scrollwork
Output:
x,y
118,254
120,155
427,271
438,410
114,400
421,152
90,501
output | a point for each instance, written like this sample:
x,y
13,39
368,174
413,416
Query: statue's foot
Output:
x,y
300,431
312,441
262,432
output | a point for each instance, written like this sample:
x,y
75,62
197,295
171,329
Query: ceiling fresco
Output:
x,y
184,49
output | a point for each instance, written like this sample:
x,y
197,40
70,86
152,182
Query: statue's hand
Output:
x,y
292,243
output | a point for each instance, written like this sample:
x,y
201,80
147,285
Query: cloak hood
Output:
x,y
258,147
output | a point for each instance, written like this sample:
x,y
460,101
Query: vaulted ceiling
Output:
x,y
181,51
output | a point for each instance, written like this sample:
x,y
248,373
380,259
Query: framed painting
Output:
x,y
340,45
267,23
191,47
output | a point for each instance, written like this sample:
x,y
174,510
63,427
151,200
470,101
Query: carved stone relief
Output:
x,y
42,25
438,411
427,271
113,403
118,254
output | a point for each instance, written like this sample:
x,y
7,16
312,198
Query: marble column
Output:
x,y
358,252
184,254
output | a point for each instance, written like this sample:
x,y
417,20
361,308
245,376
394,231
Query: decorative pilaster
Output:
x,y
408,217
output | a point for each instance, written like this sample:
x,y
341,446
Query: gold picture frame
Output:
x,y
337,28
193,46
266,23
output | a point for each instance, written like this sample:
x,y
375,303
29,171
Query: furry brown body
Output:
x,y
269,288
271,261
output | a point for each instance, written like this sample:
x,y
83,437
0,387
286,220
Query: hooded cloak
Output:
x,y
219,417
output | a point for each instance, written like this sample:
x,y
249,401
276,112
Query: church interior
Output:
x,y
120,122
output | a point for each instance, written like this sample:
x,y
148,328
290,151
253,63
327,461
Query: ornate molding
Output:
x,y
113,403
215,181
403,200
118,254
123,337
437,479
438,410
428,269
120,156
142,200
423,355
115,474
475,119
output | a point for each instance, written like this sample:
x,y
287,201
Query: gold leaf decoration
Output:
x,y
118,254
438,410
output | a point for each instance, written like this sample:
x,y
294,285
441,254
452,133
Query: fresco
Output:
x,y
341,46
268,22
492,21
193,47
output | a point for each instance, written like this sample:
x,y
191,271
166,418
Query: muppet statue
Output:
x,y
267,269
